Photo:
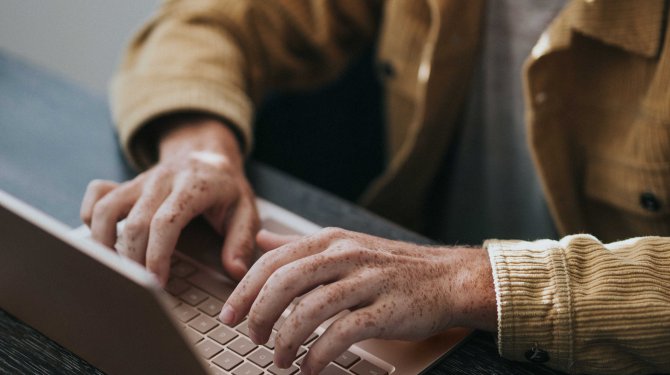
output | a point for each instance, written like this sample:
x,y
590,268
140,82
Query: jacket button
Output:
x,y
649,202
386,69
537,355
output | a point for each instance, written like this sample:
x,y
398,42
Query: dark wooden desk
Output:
x,y
55,137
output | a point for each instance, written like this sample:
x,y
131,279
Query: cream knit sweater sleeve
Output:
x,y
219,56
591,307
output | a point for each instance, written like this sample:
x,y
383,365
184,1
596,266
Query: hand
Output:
x,y
393,290
200,171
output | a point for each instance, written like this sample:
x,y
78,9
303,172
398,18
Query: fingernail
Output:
x,y
227,315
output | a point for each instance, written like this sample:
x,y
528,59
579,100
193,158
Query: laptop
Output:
x,y
112,312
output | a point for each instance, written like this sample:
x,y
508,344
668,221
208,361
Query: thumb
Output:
x,y
267,240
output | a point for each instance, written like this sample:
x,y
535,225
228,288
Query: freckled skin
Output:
x,y
387,289
200,171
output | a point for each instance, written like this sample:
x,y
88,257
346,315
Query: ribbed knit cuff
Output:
x,y
534,302
155,96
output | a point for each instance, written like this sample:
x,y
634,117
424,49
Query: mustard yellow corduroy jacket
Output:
x,y
598,114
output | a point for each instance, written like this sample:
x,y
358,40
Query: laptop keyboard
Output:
x,y
196,299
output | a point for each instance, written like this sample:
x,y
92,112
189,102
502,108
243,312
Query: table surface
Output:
x,y
55,137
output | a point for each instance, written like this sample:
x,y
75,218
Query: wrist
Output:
x,y
187,133
473,290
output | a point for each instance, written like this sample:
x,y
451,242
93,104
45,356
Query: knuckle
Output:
x,y
136,226
280,279
163,219
256,320
96,185
267,260
345,249
343,331
103,207
159,171
331,233
308,308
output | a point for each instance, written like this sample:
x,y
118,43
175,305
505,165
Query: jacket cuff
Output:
x,y
534,303
155,96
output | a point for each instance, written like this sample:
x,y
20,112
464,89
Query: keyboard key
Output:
x,y
211,307
301,351
242,346
173,302
216,371
192,336
366,368
333,370
247,369
185,313
182,269
243,328
193,296
281,371
208,348
176,286
227,360
311,338
347,359
203,324
261,357
211,285
222,335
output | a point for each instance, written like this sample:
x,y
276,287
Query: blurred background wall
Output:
x,y
80,39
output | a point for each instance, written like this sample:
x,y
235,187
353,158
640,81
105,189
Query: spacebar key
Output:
x,y
216,287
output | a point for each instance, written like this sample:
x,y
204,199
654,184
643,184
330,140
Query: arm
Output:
x,y
588,307
220,56
393,290
200,172
211,59
591,307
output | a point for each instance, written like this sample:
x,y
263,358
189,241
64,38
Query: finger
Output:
x,y
114,206
314,309
134,238
359,325
95,190
291,281
267,240
238,247
239,302
175,212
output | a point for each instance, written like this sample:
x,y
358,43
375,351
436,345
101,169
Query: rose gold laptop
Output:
x,y
112,313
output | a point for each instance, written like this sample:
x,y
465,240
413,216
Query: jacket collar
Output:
x,y
635,26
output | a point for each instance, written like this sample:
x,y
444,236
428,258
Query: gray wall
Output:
x,y
81,39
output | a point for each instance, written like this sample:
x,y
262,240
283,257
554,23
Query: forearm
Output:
x,y
584,306
171,64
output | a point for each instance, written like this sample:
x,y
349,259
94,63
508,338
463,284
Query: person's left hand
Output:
x,y
392,290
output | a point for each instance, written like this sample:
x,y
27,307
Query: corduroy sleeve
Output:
x,y
585,306
220,56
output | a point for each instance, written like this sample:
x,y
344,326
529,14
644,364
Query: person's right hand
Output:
x,y
200,171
